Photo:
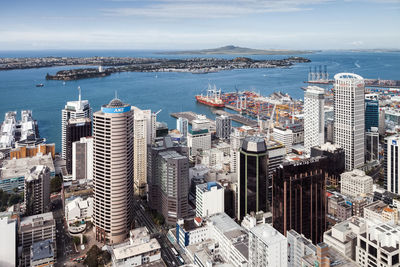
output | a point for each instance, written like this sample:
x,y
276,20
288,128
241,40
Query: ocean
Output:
x,y
170,92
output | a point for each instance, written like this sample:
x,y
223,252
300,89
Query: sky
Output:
x,y
198,24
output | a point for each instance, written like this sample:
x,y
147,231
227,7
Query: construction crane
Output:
x,y
157,112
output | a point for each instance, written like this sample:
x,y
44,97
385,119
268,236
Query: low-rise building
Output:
x,y
42,254
356,183
298,247
139,250
12,171
33,229
79,209
380,212
327,256
379,246
209,199
343,236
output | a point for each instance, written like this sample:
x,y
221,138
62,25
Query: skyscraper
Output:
x,y
252,177
37,190
142,137
392,163
113,171
168,179
76,128
349,118
182,125
73,109
314,119
223,126
299,198
82,159
371,114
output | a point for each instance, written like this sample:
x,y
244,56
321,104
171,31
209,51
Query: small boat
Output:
x,y
40,85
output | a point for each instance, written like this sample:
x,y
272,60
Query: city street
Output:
x,y
144,219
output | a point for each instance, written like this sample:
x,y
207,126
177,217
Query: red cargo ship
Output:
x,y
212,99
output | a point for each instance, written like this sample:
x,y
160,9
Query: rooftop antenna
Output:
x,y
79,90
116,94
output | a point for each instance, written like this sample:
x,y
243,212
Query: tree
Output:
x,y
77,240
55,184
95,257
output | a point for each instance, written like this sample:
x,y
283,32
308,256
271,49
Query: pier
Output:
x,y
236,117
190,116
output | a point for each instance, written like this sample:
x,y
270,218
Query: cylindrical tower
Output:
x,y
113,171
349,118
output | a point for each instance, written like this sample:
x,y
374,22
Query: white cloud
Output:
x,y
186,9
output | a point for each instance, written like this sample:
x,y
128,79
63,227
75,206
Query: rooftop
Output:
x,y
267,234
207,186
39,220
42,250
13,168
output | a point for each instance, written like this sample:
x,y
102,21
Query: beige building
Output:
x,y
355,183
142,137
113,171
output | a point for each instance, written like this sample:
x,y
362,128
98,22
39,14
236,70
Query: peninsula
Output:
x,y
236,50
191,65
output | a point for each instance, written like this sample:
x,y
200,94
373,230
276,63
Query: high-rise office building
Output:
x,y
182,125
349,118
314,119
299,198
371,114
198,140
82,159
267,247
76,128
113,171
252,177
276,154
223,125
355,183
37,190
335,155
236,140
141,121
168,179
372,144
72,110
392,163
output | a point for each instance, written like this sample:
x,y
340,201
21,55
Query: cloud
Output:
x,y
357,43
186,9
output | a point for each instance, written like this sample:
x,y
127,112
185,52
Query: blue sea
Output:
x,y
170,92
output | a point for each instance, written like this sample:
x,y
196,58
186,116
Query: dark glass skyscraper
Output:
x,y
252,177
76,128
371,114
299,198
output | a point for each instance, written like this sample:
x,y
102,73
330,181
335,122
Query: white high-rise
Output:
x,y
73,110
182,125
349,118
267,247
314,119
142,132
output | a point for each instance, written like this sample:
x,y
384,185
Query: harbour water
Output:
x,y
171,92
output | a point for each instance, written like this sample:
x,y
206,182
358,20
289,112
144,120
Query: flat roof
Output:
x,y
129,250
8,241
42,250
13,168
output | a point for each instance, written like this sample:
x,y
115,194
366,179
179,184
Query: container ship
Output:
x,y
212,99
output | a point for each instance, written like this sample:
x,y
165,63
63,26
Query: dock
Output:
x,y
368,83
190,116
236,117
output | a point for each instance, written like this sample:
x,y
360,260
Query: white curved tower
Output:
x,y
349,117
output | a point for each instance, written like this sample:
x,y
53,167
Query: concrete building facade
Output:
x,y
349,125
37,190
314,119
113,171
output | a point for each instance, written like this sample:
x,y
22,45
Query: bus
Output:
x,y
174,251
181,260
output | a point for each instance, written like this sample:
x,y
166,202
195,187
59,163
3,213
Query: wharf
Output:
x,y
368,83
190,116
236,117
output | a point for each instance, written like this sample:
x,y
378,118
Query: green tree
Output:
x,y
77,240
14,199
55,184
